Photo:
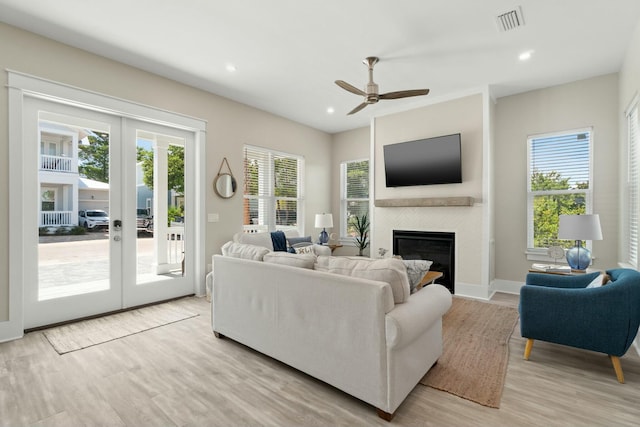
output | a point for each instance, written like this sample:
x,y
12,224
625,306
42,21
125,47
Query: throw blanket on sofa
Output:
x,y
279,241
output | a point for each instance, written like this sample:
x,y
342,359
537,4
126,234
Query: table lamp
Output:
x,y
324,221
578,228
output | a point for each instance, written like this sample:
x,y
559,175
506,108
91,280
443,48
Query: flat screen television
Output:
x,y
423,162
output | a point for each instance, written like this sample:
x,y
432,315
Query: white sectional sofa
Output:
x,y
368,338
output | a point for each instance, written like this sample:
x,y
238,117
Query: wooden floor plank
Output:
x,y
181,375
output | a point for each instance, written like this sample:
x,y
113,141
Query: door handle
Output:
x,y
117,224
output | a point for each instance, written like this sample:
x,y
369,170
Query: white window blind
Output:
x,y
559,170
633,186
273,198
354,177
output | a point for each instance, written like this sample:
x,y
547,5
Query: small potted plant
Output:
x,y
361,226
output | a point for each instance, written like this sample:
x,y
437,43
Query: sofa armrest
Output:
x,y
561,281
321,250
408,320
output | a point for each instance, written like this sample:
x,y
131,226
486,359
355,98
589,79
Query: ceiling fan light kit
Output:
x,y
371,95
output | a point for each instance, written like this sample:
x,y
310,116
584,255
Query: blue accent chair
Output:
x,y
562,310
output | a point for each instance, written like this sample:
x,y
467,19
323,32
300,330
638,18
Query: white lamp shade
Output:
x,y
579,227
324,220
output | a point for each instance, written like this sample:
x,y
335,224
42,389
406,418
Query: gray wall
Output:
x,y
592,102
351,145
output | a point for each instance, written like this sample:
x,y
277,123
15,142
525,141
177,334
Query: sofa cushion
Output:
x,y
261,239
293,260
244,251
389,270
295,240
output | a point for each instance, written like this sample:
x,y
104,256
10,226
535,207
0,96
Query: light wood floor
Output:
x,y
181,375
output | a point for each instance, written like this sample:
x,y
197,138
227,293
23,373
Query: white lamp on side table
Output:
x,y
324,221
578,228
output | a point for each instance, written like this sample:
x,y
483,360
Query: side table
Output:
x,y
429,278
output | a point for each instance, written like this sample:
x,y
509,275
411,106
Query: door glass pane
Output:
x,y
73,175
160,205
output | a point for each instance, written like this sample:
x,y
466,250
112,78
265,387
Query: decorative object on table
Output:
x,y
382,252
225,184
550,268
361,224
324,221
556,252
578,228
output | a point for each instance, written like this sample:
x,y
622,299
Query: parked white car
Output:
x,y
92,219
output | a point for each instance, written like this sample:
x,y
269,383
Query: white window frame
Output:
x,y
631,222
344,238
540,254
266,194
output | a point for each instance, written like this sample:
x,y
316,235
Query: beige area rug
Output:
x,y
87,333
476,351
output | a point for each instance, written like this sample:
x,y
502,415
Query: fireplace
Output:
x,y
438,247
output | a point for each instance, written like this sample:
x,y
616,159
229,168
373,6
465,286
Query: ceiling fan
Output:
x,y
371,96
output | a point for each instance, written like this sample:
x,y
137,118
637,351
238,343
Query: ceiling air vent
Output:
x,y
510,20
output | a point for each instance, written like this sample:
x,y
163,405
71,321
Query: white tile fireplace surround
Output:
x,y
465,222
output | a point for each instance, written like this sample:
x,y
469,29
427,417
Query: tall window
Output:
x,y
559,183
633,185
354,178
273,197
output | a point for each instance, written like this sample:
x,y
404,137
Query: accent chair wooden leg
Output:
x,y
527,348
615,360
218,335
384,415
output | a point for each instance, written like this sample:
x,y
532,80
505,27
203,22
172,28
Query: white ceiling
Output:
x,y
288,53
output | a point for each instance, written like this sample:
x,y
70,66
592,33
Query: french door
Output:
x,y
109,217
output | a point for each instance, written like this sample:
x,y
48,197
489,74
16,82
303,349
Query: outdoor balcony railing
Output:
x,y
53,218
55,163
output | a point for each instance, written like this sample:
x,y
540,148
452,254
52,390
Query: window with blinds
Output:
x,y
273,196
354,178
559,171
633,185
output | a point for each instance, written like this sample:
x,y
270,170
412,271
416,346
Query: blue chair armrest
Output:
x,y
592,319
560,280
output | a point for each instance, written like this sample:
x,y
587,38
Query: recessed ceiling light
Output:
x,y
231,68
525,56
330,110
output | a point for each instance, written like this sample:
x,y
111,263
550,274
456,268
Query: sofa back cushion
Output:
x,y
389,270
293,260
244,251
261,239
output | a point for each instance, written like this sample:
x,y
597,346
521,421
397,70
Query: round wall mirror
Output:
x,y
225,185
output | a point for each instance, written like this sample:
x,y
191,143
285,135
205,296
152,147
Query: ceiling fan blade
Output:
x,y
403,94
358,108
346,86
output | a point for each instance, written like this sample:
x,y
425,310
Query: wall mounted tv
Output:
x,y
423,162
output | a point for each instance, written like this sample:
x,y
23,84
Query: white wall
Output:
x,y
592,102
229,126
464,116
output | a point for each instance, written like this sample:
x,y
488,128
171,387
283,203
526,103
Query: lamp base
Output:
x,y
579,258
324,237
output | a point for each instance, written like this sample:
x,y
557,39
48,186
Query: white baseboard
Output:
x,y
507,286
472,291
